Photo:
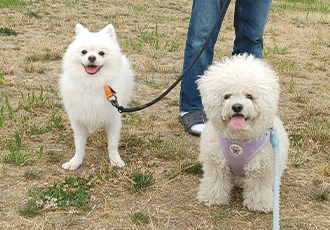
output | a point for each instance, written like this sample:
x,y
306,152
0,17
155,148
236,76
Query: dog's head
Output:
x,y
240,96
92,53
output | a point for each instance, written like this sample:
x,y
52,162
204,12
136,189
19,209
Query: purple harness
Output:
x,y
239,153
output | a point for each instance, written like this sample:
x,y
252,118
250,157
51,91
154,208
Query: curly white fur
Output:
x,y
91,61
249,82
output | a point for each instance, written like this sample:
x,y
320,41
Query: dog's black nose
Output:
x,y
237,107
91,58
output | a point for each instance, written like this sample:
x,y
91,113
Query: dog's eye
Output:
x,y
249,96
227,96
101,53
84,52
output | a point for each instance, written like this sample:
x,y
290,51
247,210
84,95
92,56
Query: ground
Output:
x,y
158,186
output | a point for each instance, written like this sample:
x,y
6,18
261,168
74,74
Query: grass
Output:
x,y
2,78
157,188
306,5
142,180
20,153
30,174
140,218
5,31
192,168
31,209
69,194
322,195
8,3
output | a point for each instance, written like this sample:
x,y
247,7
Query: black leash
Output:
x,y
121,109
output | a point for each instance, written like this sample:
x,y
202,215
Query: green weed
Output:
x,y
53,156
155,143
318,131
31,208
142,180
152,84
10,109
132,143
33,15
137,46
150,36
173,103
53,123
39,101
140,218
30,174
322,195
298,158
46,55
296,138
174,46
5,31
70,192
169,151
7,3
275,50
133,118
171,174
71,3
191,168
2,78
2,117
305,5
20,153
291,85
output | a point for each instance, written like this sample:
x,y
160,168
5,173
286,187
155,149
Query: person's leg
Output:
x,y
204,14
250,20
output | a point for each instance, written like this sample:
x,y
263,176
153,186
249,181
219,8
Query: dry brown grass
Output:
x,y
152,34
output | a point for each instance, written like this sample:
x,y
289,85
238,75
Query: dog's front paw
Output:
x,y
73,164
259,201
211,199
117,163
261,205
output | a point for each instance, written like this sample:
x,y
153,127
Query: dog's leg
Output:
x,y
216,185
80,137
258,192
113,133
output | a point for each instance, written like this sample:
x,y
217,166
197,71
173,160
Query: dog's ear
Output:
x,y
110,30
80,29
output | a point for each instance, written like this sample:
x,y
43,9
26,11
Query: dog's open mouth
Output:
x,y
92,69
237,121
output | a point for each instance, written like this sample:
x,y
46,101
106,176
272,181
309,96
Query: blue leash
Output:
x,y
277,180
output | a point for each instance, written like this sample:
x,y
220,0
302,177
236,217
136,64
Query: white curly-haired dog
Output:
x,y
240,97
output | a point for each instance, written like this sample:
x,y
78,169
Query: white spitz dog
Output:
x,y
240,98
91,61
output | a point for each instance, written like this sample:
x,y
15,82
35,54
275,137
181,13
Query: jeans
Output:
x,y
250,19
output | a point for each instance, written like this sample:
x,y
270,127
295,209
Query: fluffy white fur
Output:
x,y
91,61
250,82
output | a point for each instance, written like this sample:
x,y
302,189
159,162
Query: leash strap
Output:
x,y
277,180
121,109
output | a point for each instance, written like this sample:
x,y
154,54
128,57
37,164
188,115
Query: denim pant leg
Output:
x,y
204,14
249,21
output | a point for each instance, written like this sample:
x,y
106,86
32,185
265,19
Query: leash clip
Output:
x,y
109,93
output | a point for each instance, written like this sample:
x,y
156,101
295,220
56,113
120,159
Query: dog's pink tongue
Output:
x,y
237,122
91,69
